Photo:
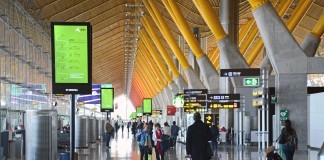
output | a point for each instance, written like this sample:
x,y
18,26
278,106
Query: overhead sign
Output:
x,y
251,82
171,110
256,92
178,100
195,91
256,102
283,115
107,99
139,111
223,105
223,96
208,119
156,112
197,109
240,72
195,97
71,57
194,104
147,106
133,115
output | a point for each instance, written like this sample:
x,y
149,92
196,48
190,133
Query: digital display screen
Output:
x,y
107,99
71,57
139,111
147,106
71,48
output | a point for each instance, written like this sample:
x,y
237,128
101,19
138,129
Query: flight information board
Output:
x,y
139,111
107,99
71,57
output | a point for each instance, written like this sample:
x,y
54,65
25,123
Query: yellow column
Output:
x,y
184,28
147,73
155,71
160,46
292,24
154,54
319,27
157,17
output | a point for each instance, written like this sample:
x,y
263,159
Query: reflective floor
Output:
x,y
124,147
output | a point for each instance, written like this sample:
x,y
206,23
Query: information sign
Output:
x,y
71,57
195,97
195,91
283,115
107,99
194,104
223,96
251,82
256,102
223,105
208,119
147,106
240,72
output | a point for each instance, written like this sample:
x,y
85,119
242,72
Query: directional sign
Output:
x,y
208,119
256,102
194,104
251,82
195,97
223,96
256,92
195,91
240,72
223,105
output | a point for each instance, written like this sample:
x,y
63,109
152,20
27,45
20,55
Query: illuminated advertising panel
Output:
x,y
107,99
71,57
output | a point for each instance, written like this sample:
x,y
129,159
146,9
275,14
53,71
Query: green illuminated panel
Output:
x,y
107,99
139,111
147,105
71,54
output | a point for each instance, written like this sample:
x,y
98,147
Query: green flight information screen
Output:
x,y
71,53
107,99
147,106
139,111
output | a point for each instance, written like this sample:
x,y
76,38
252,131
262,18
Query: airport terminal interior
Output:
x,y
84,79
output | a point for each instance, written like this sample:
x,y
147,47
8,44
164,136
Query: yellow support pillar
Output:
x,y
160,46
319,27
292,23
149,75
155,56
153,69
184,28
156,15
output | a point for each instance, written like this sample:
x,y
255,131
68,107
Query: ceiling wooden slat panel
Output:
x,y
109,30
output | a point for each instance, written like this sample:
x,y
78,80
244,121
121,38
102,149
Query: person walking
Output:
x,y
288,139
157,135
215,132
166,129
174,132
122,125
198,135
143,135
109,132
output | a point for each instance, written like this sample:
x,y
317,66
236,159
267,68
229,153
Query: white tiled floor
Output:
x,y
124,147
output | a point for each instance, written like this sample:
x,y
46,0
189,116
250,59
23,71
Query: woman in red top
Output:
x,y
157,134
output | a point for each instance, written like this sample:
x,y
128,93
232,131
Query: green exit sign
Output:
x,y
251,82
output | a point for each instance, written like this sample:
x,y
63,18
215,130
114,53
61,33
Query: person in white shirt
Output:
x,y
166,129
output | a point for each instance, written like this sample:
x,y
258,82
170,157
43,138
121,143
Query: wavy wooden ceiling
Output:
x,y
108,18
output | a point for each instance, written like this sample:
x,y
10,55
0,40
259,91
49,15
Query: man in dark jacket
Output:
x,y
198,135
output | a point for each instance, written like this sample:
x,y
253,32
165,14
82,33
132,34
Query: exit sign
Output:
x,y
251,81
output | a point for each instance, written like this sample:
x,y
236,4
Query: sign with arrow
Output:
x,y
240,72
251,82
208,119
223,97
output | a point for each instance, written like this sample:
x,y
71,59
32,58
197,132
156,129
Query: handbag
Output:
x,y
148,145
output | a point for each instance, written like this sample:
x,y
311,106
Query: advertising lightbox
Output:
x,y
139,111
71,57
107,99
147,106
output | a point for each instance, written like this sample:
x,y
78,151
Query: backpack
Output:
x,y
165,143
